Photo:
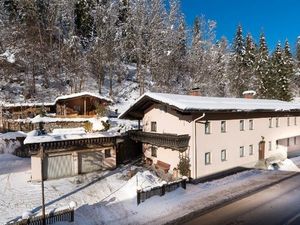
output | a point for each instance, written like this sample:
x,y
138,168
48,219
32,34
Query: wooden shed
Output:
x,y
80,104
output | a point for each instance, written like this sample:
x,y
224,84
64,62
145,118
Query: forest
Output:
x,y
62,43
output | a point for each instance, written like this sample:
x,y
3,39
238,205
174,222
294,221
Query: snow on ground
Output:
x,y
109,198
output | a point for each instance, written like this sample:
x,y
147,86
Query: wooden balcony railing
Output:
x,y
172,141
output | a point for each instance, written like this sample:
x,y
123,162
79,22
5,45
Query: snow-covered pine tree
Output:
x,y
296,78
250,60
287,73
237,65
262,70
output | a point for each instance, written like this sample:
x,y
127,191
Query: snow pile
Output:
x,y
78,130
122,126
288,165
8,146
145,180
12,135
10,57
98,123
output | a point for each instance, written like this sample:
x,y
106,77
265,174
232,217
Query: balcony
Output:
x,y
172,141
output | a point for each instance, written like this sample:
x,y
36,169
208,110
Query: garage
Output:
x,y
90,161
58,166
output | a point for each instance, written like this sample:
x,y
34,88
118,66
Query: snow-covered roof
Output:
x,y
188,103
63,97
67,135
75,95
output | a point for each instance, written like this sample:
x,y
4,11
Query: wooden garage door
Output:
x,y
58,166
90,161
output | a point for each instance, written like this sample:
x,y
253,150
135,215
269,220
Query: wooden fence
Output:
x,y
144,194
64,215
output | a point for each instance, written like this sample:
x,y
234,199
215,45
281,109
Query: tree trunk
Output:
x,y
110,81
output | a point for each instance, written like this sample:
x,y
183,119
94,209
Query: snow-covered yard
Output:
x,y
109,198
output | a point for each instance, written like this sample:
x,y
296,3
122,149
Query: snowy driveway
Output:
x,y
112,200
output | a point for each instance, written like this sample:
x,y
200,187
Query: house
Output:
x,y
69,152
214,134
80,104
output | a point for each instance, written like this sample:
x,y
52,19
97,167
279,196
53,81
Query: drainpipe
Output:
x,y
195,143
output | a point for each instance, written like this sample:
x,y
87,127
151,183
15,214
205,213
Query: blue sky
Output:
x,y
278,19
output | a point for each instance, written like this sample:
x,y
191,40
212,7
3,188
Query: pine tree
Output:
x,y
287,73
250,60
84,20
262,69
296,79
237,65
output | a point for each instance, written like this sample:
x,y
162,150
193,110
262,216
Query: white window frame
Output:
x,y
270,146
207,158
153,127
270,122
277,122
288,121
242,151
223,126
251,124
250,149
223,155
207,128
242,125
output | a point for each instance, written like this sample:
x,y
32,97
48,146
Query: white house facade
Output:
x,y
220,133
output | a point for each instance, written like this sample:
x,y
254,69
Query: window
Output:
x,y
250,124
270,145
207,128
288,121
223,126
250,149
153,126
295,140
153,151
277,122
242,151
295,121
207,158
242,125
288,142
270,122
223,155
277,144
107,153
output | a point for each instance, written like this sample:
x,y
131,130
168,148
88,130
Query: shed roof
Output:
x,y
194,104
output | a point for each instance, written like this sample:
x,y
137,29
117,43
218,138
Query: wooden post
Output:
x,y
42,176
183,183
138,196
163,190
72,216
84,106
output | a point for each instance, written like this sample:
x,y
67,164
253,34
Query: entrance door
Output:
x,y
261,150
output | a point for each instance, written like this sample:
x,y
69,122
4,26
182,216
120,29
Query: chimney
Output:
x,y
195,91
249,94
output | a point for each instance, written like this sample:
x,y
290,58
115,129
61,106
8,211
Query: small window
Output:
x,y
295,140
250,149
223,126
153,126
270,145
270,122
223,155
277,122
250,124
153,151
295,121
242,127
207,158
242,151
277,144
288,142
107,153
207,128
288,121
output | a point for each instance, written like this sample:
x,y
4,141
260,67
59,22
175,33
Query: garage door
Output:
x,y
90,161
58,166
